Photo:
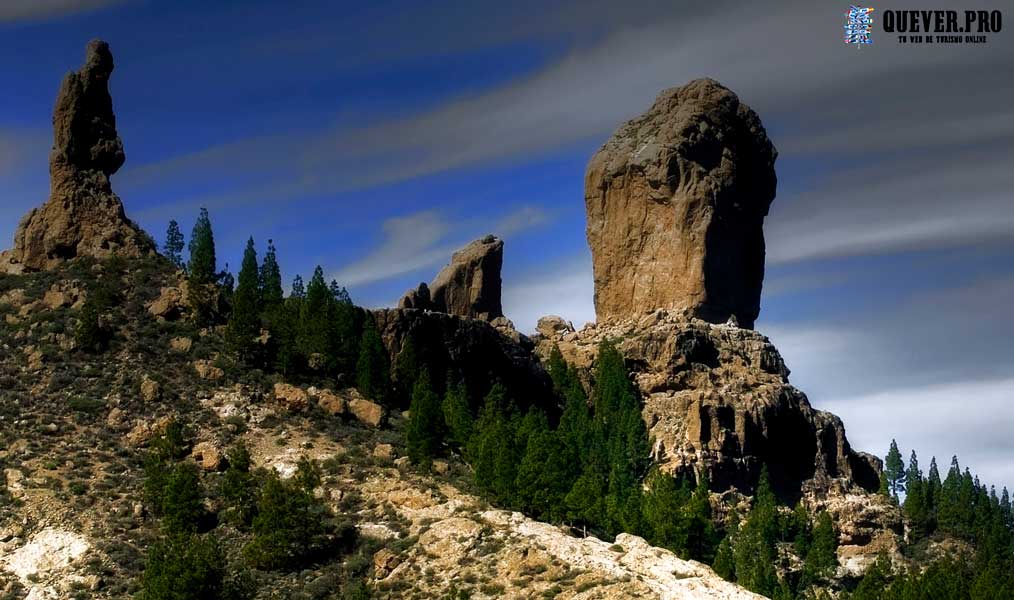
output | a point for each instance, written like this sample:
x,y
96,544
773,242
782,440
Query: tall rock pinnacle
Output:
x,y
82,217
676,201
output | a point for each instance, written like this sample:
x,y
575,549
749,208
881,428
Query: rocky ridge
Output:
x,y
82,217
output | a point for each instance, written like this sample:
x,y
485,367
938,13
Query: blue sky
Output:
x,y
375,138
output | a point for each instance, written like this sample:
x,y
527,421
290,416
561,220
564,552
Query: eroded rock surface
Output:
x,y
82,217
717,398
675,201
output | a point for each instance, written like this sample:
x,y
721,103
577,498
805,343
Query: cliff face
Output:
x,y
82,217
717,400
469,286
676,200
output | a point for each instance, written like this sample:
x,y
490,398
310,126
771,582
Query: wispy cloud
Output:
x,y
27,10
563,288
427,239
958,418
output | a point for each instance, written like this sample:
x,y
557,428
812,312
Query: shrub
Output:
x,y
289,528
183,567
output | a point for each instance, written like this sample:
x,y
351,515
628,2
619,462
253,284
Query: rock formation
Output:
x,y
469,286
82,217
717,399
480,353
676,200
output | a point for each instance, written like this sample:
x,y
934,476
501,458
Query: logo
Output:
x,y
857,26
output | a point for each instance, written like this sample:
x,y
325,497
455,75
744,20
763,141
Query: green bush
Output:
x,y
289,528
183,567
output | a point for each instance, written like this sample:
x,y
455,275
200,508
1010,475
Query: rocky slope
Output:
x,y
74,428
83,217
676,200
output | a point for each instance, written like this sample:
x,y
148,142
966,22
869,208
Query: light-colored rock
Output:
x,y
180,345
151,390
170,305
291,397
208,455
206,369
551,326
383,451
45,561
35,358
144,431
676,201
329,401
367,412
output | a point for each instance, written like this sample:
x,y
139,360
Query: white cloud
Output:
x,y
565,289
966,418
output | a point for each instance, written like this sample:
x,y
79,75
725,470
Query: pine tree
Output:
x,y
90,335
894,468
915,505
724,564
822,557
298,290
424,433
289,528
701,535
174,244
373,369
201,267
315,339
244,321
664,504
201,272
271,279
183,567
182,506
493,449
545,475
457,416
407,369
238,487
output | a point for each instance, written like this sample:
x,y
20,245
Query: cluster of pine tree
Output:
x,y
590,469
314,332
957,506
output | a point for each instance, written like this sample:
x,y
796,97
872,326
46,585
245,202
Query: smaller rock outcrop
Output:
x,y
469,286
82,217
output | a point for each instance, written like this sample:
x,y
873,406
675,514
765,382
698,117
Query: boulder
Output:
x,y
209,456
383,451
170,304
329,402
180,345
292,397
675,203
366,412
551,325
82,217
469,286
206,369
150,389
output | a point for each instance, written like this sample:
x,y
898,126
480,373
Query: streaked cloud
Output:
x,y
563,288
426,240
26,10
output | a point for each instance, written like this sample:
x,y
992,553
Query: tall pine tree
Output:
x,y
424,434
201,268
244,321
174,244
894,468
373,371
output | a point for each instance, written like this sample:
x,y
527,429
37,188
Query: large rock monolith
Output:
x,y
676,201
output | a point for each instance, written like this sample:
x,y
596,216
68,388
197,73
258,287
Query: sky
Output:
x,y
375,138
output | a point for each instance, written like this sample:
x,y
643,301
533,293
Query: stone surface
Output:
x,y
291,397
82,217
366,412
675,202
469,286
169,305
329,401
209,456
180,345
552,325
718,398
150,389
206,369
